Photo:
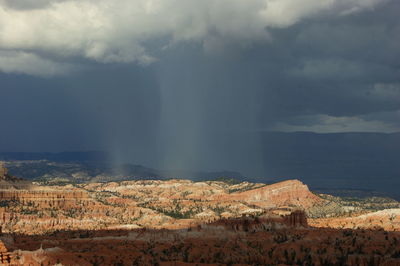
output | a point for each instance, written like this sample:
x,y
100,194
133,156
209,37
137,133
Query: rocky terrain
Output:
x,y
171,204
164,221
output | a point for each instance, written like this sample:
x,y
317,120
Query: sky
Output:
x,y
183,84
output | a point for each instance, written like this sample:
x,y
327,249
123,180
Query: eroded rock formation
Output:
x,y
169,204
286,193
155,222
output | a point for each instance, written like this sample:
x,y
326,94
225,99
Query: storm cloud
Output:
x,y
191,84
43,33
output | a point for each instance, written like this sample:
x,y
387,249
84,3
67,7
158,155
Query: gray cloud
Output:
x,y
118,31
32,64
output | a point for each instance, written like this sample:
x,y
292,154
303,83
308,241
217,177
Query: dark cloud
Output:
x,y
202,103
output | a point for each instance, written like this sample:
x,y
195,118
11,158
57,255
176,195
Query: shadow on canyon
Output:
x,y
244,241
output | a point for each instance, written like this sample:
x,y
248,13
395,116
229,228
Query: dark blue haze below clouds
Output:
x,y
205,110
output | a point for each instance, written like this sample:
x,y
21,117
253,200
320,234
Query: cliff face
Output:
x,y
286,193
296,219
43,209
46,198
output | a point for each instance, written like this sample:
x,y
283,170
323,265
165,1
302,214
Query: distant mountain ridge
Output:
x,y
94,167
97,156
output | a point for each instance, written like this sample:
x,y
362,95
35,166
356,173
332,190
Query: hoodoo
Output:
x,y
3,171
5,176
